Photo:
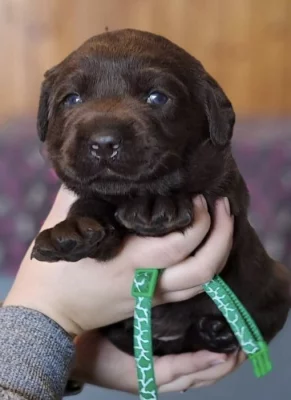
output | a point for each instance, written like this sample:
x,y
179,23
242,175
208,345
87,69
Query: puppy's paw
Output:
x,y
216,335
74,239
156,216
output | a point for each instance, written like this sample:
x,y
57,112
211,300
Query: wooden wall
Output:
x,y
245,44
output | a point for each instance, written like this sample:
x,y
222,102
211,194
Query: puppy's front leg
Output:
x,y
89,231
156,216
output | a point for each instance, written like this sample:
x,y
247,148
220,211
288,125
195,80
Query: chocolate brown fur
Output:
x,y
135,167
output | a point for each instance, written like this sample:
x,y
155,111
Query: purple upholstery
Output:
x,y
27,186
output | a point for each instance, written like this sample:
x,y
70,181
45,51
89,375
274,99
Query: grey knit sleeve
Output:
x,y
35,356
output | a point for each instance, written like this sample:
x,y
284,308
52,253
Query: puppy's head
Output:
x,y
128,111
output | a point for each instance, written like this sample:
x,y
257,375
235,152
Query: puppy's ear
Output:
x,y
219,112
43,111
44,103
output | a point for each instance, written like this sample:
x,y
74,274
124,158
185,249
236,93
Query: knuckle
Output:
x,y
173,251
173,373
206,275
170,372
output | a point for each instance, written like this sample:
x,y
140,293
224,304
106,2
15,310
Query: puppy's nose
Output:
x,y
105,146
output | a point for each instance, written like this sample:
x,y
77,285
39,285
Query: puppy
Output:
x,y
136,127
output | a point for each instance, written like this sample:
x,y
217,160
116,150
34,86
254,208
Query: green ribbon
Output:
x,y
238,318
143,289
242,325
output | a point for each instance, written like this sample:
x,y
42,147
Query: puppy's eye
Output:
x,y
157,98
72,99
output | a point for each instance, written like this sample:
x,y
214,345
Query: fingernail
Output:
x,y
204,202
200,201
226,205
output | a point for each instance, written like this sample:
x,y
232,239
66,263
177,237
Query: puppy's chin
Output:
x,y
140,169
123,178
124,186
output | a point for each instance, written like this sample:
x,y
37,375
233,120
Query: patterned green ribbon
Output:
x,y
242,325
143,289
240,321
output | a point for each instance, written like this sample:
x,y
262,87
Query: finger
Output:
x,y
221,239
176,296
60,208
168,250
183,384
202,384
202,377
216,372
65,196
209,260
241,358
172,367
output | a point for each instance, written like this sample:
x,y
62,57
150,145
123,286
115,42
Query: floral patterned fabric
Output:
x,y
28,186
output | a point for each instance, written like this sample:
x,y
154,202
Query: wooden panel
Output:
x,y
245,44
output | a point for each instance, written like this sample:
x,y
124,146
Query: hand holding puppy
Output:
x,y
88,294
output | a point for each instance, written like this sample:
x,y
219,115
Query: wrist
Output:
x,y
45,307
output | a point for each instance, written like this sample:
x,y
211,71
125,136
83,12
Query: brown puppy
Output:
x,y
135,126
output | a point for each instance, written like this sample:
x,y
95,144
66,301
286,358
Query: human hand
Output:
x,y
88,294
100,363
